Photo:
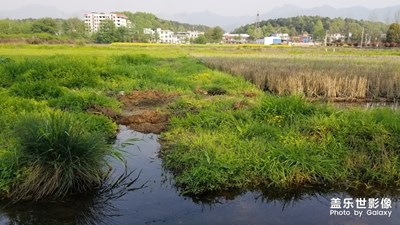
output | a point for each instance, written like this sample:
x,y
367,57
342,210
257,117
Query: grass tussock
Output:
x,y
58,156
350,77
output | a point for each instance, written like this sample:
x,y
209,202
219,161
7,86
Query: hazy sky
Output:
x,y
223,7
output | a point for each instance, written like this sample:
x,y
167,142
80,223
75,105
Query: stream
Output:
x,y
153,199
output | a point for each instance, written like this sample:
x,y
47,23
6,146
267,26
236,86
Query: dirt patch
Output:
x,y
149,98
145,111
147,121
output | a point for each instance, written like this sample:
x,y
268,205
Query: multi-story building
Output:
x,y
93,20
170,37
166,36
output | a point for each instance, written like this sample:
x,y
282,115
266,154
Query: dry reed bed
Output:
x,y
328,77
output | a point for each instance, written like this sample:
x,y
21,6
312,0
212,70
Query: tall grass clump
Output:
x,y
59,155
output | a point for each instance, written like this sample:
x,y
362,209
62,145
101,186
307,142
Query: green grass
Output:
x,y
59,155
235,136
283,143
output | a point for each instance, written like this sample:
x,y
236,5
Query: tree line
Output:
x,y
318,27
73,29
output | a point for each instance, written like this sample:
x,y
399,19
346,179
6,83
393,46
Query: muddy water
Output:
x,y
153,199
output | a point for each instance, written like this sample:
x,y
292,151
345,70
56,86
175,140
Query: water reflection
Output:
x,y
93,208
148,196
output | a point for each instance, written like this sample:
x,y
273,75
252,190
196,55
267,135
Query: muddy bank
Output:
x,y
142,111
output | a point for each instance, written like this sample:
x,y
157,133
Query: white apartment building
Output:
x,y
194,34
166,36
170,37
93,20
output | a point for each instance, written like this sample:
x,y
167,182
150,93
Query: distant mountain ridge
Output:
x,y
36,11
387,14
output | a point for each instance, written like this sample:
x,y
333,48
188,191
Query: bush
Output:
x,y
59,156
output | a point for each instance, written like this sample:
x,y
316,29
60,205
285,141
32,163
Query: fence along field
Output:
x,y
337,78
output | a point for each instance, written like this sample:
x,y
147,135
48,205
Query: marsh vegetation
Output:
x,y
222,131
334,77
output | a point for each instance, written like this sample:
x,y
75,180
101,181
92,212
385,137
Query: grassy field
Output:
x,y
223,131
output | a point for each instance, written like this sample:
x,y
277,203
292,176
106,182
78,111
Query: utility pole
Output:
x,y
258,20
258,32
362,37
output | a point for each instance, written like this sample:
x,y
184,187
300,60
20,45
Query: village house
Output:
x,y
235,38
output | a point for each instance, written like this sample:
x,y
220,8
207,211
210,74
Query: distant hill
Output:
x,y
210,19
386,15
147,20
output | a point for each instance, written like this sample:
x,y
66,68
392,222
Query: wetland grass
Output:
x,y
236,137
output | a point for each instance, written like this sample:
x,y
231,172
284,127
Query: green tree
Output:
x,y
74,28
251,30
201,39
356,30
107,32
214,35
267,30
293,32
283,30
45,25
318,31
393,33
5,27
258,33
337,26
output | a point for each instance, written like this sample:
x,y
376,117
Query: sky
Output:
x,y
222,7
